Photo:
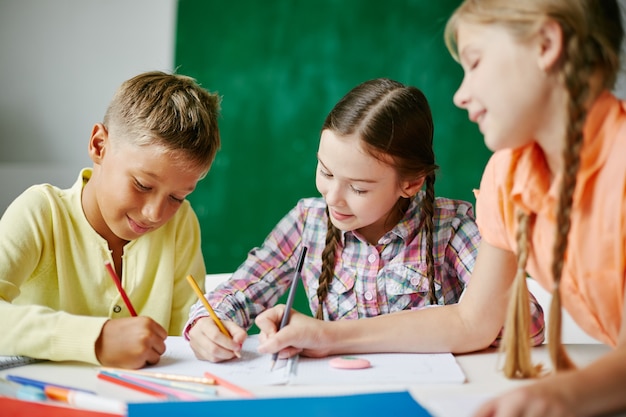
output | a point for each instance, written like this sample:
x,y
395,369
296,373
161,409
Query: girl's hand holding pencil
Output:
x,y
301,336
213,339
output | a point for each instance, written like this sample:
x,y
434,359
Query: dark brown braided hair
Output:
x,y
393,121
592,36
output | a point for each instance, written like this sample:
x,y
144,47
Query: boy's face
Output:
x,y
134,189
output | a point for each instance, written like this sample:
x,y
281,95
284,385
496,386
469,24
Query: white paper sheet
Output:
x,y
253,368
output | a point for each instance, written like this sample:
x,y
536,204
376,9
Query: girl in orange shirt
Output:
x,y
552,204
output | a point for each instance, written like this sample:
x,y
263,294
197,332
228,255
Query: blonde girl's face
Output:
x,y
135,189
360,190
504,89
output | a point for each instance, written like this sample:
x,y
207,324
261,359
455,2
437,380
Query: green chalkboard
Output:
x,y
280,66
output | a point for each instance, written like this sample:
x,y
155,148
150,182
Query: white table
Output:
x,y
484,379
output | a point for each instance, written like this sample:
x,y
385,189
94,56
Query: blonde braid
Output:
x,y
516,343
576,71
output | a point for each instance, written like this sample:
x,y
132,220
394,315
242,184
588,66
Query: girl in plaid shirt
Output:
x,y
378,240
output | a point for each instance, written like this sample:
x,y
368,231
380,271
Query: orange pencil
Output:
x,y
230,386
208,307
118,284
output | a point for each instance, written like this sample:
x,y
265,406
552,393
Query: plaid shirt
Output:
x,y
370,280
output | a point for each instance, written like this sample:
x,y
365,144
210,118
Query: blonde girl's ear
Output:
x,y
98,142
409,188
550,43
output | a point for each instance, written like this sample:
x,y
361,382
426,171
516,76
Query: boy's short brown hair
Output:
x,y
171,110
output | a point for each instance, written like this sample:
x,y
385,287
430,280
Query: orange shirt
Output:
x,y
594,275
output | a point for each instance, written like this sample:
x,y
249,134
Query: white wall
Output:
x,y
60,63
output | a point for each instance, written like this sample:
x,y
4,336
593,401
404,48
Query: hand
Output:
x,y
535,400
131,342
210,344
303,335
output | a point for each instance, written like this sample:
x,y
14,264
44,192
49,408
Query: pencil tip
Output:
x,y
272,365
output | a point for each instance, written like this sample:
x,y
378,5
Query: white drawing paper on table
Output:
x,y
386,368
253,368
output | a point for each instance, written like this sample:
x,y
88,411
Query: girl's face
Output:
x,y
360,190
505,89
134,189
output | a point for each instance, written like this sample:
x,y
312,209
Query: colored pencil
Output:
x,y
230,386
118,284
195,387
171,392
290,298
160,375
208,307
127,384
198,389
40,384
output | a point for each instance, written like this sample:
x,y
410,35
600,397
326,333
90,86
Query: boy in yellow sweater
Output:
x,y
158,139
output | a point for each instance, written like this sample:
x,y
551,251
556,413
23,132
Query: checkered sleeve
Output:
x,y
261,279
462,252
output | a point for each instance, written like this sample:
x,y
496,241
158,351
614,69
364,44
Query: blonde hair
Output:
x,y
592,36
170,110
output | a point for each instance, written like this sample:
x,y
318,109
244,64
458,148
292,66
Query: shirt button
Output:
x,y
372,258
386,241
368,296
117,309
415,281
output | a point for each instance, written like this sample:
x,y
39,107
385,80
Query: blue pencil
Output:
x,y
41,384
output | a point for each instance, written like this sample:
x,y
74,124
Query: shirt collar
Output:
x,y
531,188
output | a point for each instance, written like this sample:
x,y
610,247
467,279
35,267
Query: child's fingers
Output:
x,y
209,343
130,342
282,342
269,320
235,331
234,342
288,352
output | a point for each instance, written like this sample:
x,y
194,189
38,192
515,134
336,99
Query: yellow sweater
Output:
x,y
55,293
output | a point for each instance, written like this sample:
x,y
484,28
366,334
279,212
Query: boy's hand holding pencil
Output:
x,y
129,342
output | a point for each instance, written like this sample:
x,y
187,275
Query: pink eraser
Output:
x,y
349,362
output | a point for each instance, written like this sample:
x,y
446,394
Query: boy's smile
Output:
x,y
134,189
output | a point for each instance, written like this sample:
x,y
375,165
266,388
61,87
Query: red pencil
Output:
x,y
118,284
132,385
229,385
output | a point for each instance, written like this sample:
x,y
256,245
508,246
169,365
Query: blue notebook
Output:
x,y
383,404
